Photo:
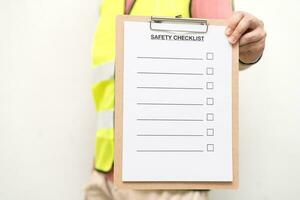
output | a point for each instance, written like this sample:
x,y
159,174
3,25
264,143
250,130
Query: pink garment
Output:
x,y
129,4
216,9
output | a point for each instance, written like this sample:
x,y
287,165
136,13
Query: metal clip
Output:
x,y
179,20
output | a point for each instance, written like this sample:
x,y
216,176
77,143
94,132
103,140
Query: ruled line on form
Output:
x,y
155,119
171,73
171,135
168,150
170,88
169,58
171,104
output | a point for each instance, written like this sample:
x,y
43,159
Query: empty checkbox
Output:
x,y
209,71
209,101
209,117
209,85
210,147
210,132
209,56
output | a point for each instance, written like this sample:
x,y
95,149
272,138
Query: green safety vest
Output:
x,y
103,56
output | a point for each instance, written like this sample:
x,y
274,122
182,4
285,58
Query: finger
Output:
x,y
253,36
241,28
233,22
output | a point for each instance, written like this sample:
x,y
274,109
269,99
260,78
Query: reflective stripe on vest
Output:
x,y
104,52
104,119
104,72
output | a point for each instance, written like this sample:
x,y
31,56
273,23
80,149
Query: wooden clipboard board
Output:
x,y
119,120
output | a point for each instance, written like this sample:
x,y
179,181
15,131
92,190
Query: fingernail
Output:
x,y
232,39
228,31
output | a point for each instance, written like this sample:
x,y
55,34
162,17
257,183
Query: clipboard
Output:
x,y
157,24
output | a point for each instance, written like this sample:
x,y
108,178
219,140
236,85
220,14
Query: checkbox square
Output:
x,y
209,56
210,147
210,101
210,132
209,71
210,117
209,85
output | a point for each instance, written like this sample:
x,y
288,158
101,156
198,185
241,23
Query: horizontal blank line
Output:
x,y
170,150
168,58
170,119
170,73
176,88
189,135
172,104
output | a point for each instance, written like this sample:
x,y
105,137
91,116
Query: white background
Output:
x,y
47,115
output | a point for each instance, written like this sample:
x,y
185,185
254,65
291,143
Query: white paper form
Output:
x,y
177,105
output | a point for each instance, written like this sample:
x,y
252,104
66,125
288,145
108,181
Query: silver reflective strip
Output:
x,y
104,72
105,119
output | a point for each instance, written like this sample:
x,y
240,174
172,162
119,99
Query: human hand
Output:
x,y
250,33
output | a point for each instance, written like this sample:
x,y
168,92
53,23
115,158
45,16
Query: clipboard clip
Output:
x,y
197,25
